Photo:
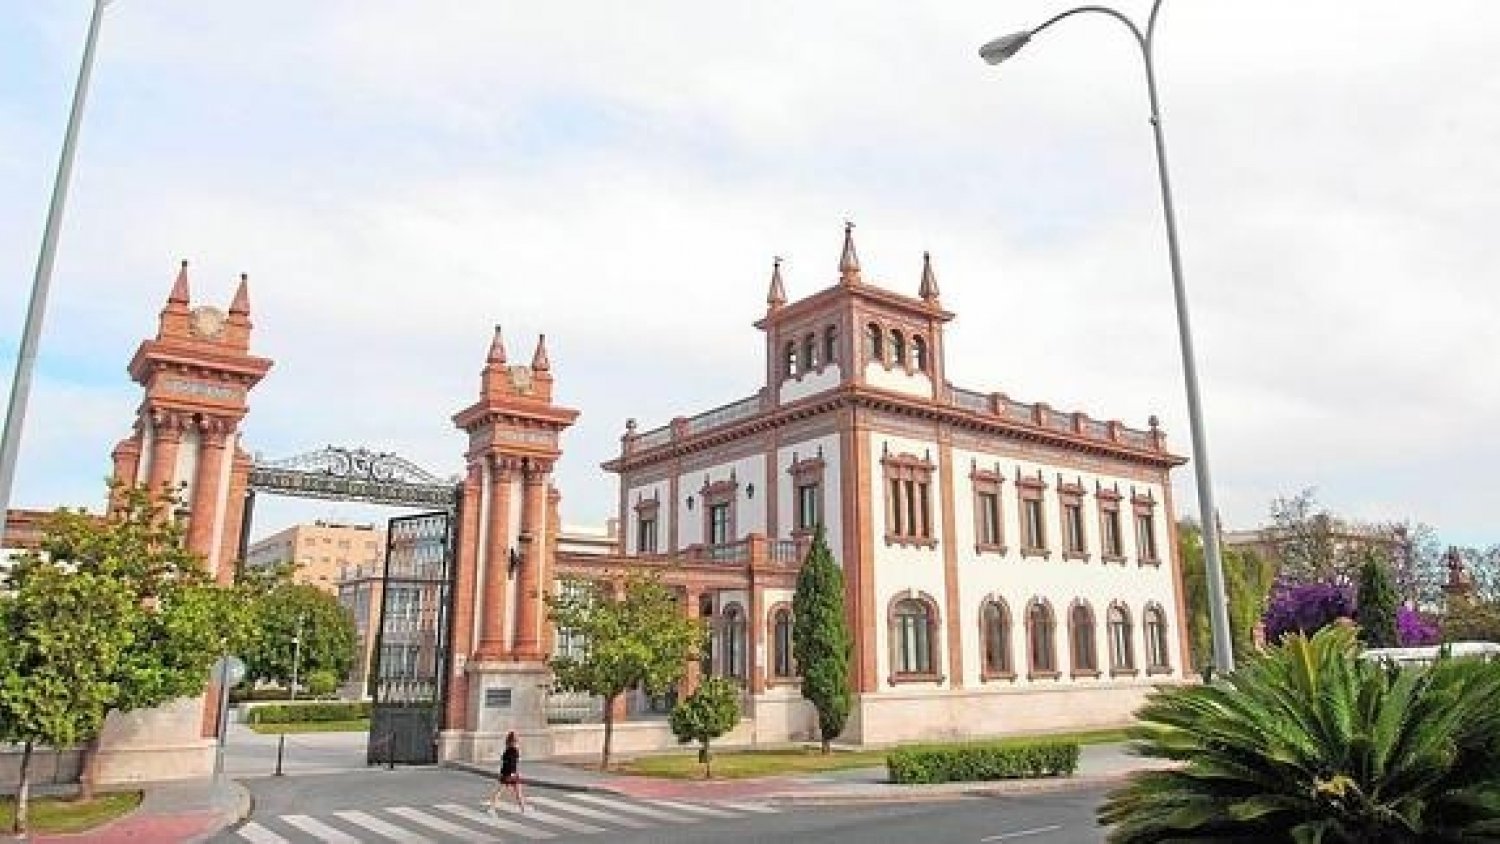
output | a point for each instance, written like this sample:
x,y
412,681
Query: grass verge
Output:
x,y
63,814
360,726
746,764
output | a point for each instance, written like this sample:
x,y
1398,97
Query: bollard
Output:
x,y
390,753
280,747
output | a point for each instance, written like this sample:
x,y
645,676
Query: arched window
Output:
x,y
1041,646
830,344
875,340
789,360
918,353
734,642
911,632
1121,653
994,620
1157,654
1081,636
898,348
809,353
781,643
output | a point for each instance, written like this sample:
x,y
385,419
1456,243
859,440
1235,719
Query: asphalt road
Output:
x,y
435,804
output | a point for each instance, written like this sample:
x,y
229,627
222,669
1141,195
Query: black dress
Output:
x,y
509,760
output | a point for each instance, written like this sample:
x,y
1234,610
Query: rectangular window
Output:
x,y
989,518
909,508
924,511
897,510
718,524
1034,529
1145,536
1109,520
807,506
1073,522
645,536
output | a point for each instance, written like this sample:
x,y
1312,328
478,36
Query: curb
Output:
x,y
889,793
543,781
244,804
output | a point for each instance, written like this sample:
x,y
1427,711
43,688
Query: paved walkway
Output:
x,y
169,812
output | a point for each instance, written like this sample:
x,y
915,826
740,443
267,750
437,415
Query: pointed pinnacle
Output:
x,y
179,294
241,303
929,288
539,362
776,297
497,348
849,260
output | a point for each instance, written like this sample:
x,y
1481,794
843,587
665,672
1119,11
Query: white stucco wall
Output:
x,y
810,383
749,512
659,490
896,380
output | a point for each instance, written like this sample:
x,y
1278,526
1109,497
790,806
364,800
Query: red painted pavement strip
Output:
x,y
700,789
145,829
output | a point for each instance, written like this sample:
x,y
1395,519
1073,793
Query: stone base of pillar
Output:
x,y
503,697
165,743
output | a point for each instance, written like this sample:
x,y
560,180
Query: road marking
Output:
x,y
421,817
1007,836
693,807
380,827
257,834
497,822
621,805
319,830
586,812
749,807
548,817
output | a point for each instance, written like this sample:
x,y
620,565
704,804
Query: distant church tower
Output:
x,y
197,374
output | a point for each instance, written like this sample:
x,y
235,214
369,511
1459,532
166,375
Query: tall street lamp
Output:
x,y
1007,46
20,386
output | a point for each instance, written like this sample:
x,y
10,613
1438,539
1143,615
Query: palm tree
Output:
x,y
1310,743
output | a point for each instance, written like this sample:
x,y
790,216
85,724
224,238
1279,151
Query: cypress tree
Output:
x,y
1377,605
820,638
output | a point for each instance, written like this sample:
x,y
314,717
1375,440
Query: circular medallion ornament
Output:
x,y
208,321
520,378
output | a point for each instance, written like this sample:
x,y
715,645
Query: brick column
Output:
x,y
466,569
757,625
496,563
529,599
163,472
689,682
206,486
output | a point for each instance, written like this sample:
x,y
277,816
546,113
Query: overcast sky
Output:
x,y
397,177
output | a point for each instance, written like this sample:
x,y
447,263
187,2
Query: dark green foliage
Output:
x,y
710,711
283,609
820,638
1309,743
1377,604
1472,621
1247,585
982,760
301,713
322,683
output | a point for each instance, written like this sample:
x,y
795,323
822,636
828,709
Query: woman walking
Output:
x,y
510,773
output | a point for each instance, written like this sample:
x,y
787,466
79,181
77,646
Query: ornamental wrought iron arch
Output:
x,y
354,474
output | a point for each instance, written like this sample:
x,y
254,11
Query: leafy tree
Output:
x,y
182,620
322,683
1309,743
820,638
1472,621
638,637
1377,604
1248,578
64,640
709,712
1306,608
1313,544
287,613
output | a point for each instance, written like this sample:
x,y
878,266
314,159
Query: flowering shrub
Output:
x,y
1306,608
1412,630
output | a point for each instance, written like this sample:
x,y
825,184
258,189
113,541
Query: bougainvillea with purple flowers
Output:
x,y
1307,607
1414,630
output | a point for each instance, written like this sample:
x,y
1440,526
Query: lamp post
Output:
x,y
296,654
36,309
1006,46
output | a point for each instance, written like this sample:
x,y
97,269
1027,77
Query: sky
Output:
x,y
397,178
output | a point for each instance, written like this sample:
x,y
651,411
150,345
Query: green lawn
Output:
x,y
360,726
745,764
54,814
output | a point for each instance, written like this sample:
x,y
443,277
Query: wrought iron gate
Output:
x,y
411,647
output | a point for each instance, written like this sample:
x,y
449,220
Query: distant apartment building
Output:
x,y
324,552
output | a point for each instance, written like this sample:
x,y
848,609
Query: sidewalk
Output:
x,y
192,810
1101,764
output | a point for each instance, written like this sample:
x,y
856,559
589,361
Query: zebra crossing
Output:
x,y
557,815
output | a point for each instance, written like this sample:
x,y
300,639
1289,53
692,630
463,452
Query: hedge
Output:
x,y
298,713
979,761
